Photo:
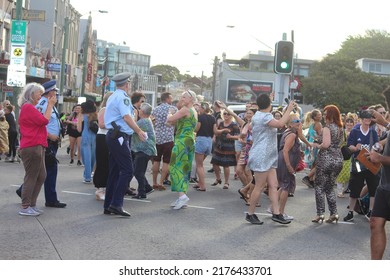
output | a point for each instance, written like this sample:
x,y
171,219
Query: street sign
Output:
x,y
18,54
18,32
38,15
16,75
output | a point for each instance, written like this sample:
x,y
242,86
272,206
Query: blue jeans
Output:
x,y
120,170
51,176
140,164
88,153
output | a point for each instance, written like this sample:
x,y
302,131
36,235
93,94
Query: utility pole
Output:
x,y
214,77
105,65
85,52
64,49
292,72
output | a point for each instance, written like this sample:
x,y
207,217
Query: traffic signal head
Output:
x,y
284,52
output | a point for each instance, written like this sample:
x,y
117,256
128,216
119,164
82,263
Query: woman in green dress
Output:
x,y
343,178
184,146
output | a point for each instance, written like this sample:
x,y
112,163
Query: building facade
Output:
x,y
241,81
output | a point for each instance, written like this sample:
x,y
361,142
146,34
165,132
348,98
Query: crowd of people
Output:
x,y
263,147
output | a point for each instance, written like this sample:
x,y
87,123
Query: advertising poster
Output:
x,y
242,91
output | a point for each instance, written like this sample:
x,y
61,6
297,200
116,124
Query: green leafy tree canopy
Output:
x,y
337,80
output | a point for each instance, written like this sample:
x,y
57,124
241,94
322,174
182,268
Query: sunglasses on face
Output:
x,y
383,113
226,114
296,121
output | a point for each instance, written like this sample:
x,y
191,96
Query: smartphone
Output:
x,y
288,102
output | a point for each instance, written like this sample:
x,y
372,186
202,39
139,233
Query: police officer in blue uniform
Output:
x,y
119,120
54,130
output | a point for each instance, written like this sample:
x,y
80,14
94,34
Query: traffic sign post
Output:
x,y
18,32
16,74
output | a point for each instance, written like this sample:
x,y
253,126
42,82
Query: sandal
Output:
x,y
225,186
218,181
196,187
244,197
200,190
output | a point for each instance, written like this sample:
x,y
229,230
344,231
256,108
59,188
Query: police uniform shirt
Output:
x,y
118,106
53,127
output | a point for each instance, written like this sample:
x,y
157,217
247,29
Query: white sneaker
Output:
x,y
287,217
36,209
28,212
173,204
100,194
181,202
269,210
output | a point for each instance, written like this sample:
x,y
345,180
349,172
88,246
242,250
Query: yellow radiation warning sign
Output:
x,y
18,52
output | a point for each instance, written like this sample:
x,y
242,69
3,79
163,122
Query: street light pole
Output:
x,y
85,53
64,49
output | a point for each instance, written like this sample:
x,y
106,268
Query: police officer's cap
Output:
x,y
121,78
50,86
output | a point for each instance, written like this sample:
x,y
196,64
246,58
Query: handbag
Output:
x,y
373,167
301,165
346,152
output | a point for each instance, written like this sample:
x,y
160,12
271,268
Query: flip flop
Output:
x,y
243,196
200,190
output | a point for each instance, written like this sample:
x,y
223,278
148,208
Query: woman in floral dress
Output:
x,y
184,147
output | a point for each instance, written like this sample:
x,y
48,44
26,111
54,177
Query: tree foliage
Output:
x,y
169,73
337,80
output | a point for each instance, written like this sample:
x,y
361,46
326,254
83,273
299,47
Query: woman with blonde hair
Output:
x,y
224,153
315,130
184,147
101,169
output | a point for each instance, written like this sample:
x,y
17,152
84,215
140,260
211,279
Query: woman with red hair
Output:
x,y
329,164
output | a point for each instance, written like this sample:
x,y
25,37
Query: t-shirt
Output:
x,y
206,125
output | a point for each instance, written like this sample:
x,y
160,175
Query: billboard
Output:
x,y
242,91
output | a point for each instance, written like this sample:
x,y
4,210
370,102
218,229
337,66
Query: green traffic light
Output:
x,y
284,65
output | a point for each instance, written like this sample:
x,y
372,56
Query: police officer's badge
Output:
x,y
126,101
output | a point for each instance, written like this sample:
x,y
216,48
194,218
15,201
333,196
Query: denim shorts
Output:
x,y
203,145
237,146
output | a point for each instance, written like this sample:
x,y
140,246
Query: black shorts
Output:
x,y
382,204
164,151
358,180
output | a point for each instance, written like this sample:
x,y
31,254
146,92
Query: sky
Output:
x,y
189,34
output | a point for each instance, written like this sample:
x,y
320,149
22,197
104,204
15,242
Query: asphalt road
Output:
x,y
213,227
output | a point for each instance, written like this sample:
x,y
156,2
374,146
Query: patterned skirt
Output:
x,y
224,153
